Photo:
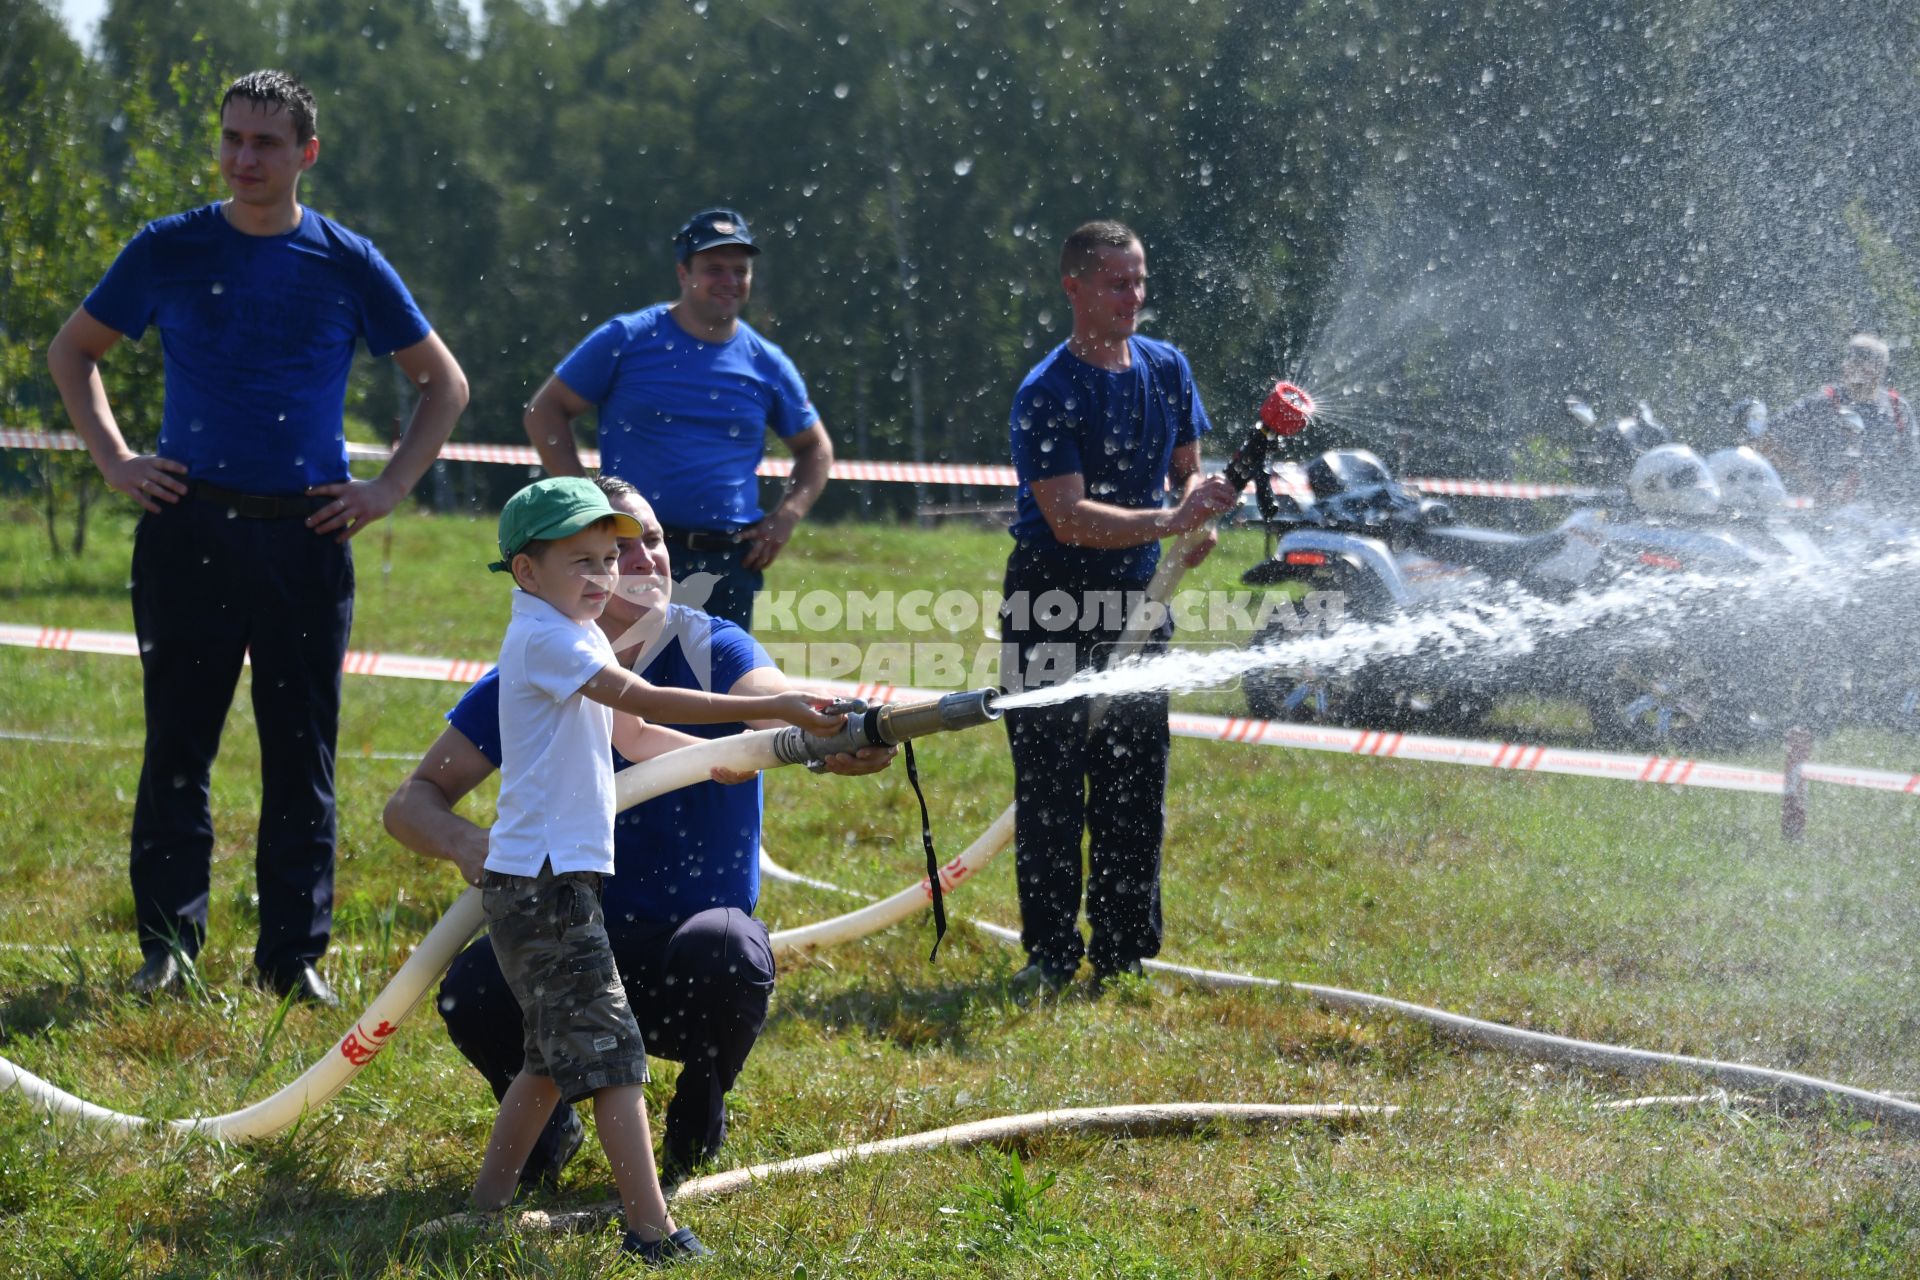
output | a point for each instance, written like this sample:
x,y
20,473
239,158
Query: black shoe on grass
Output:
x,y
666,1251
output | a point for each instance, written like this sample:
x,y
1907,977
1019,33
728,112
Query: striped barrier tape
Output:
x,y
1518,757
1289,480
523,455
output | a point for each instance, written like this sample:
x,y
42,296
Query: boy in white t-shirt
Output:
x,y
560,686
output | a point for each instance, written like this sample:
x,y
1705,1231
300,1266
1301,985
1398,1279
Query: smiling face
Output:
x,y
646,573
714,285
261,158
1107,295
574,574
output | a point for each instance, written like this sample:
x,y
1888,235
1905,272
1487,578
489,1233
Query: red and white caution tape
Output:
x,y
67,640
1503,489
358,662
1516,756
525,456
1519,757
1290,479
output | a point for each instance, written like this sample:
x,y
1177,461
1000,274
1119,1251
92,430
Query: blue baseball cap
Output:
x,y
711,228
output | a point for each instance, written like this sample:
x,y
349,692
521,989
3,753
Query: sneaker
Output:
x,y
667,1250
551,1154
1038,980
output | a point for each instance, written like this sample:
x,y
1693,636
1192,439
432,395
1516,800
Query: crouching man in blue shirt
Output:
x,y
697,965
249,509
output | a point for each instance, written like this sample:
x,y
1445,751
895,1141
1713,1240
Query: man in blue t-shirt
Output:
x,y
697,966
249,509
686,393
1102,428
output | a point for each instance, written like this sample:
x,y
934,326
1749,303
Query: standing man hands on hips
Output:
x,y
1102,429
249,509
686,392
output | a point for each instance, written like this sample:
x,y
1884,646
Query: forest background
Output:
x,y
1442,218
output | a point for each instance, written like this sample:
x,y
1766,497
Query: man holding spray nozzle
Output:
x,y
1102,428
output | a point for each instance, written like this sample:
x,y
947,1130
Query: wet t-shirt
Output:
x,y
1116,430
257,335
686,421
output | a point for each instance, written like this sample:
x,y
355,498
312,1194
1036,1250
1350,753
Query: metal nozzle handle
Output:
x,y
890,724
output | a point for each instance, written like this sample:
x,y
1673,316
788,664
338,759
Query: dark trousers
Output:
x,y
714,581
1110,784
699,991
208,589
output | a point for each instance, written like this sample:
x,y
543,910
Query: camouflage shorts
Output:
x,y
552,945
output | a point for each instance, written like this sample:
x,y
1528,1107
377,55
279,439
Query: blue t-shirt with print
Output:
x,y
688,850
1117,430
685,421
258,335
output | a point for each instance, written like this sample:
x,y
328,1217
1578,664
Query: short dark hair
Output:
x,y
1085,241
615,487
278,89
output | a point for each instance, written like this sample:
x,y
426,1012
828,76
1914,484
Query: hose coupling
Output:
x,y
889,724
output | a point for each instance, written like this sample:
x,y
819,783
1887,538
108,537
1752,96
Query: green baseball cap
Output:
x,y
555,508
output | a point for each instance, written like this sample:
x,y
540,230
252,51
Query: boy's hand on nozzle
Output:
x,y
798,707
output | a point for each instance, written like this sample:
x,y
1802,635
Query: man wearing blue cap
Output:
x,y
686,392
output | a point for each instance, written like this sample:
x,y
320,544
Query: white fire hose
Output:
x,y
757,750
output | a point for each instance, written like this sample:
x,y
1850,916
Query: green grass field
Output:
x,y
1661,918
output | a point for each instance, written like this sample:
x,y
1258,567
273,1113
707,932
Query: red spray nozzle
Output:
x,y
1287,409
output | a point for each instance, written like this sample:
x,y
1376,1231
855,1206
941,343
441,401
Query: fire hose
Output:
x,y
758,750
874,726
1541,1046
1135,1120
1284,413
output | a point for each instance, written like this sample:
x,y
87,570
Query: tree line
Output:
x,y
1442,218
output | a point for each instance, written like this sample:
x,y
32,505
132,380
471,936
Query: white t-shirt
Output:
x,y
556,762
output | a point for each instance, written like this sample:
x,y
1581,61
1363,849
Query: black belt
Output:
x,y
255,506
702,539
